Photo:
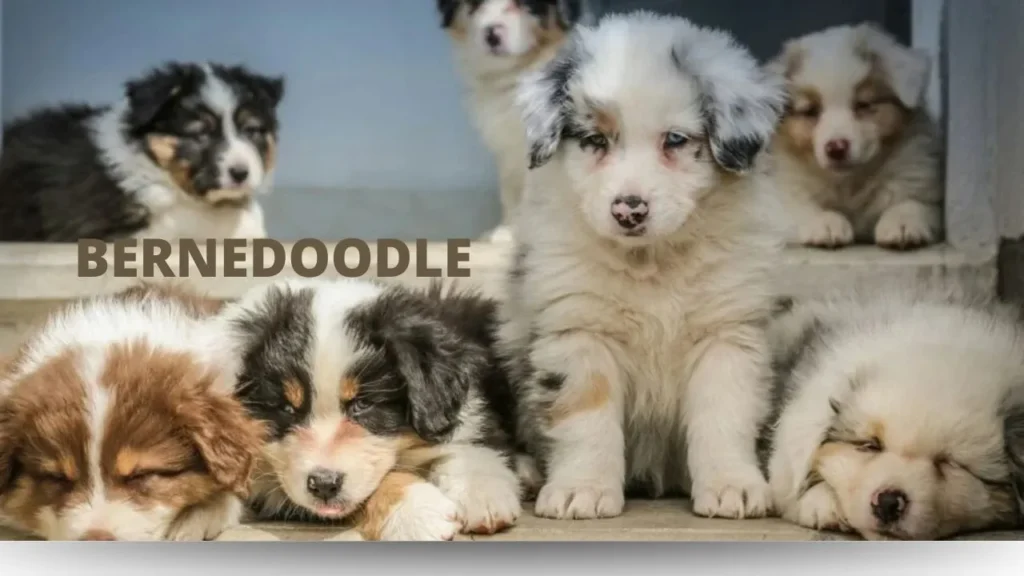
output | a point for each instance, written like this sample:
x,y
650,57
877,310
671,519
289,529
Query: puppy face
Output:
x,y
212,128
645,115
914,454
507,29
349,377
852,90
115,440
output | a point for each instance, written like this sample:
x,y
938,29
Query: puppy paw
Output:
x,y
484,505
500,235
826,230
563,501
207,521
423,514
747,497
818,509
904,229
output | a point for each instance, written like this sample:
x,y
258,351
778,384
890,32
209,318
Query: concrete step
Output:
x,y
643,520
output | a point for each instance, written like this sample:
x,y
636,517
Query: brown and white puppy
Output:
x,y
900,415
117,423
495,41
385,407
857,154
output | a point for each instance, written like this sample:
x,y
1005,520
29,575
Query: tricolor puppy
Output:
x,y
634,322
183,155
117,422
899,416
858,155
496,41
369,391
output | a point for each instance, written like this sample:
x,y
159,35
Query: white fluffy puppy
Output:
x,y
902,415
496,41
637,303
858,155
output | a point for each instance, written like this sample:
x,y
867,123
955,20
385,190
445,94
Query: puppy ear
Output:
x,y
8,447
272,89
438,368
567,13
543,97
788,60
1013,439
907,69
448,9
228,440
740,100
148,95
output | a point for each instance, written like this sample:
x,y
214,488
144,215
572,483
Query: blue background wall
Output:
x,y
375,139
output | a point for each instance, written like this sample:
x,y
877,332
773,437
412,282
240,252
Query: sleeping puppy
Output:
x,y
900,416
368,390
634,321
117,422
858,155
495,41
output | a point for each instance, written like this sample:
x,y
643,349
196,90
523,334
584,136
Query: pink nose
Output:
x,y
98,536
837,149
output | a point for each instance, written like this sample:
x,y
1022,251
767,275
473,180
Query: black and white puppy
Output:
x,y
900,414
181,156
370,390
636,309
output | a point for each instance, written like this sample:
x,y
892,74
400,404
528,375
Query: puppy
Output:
x,y
495,41
899,416
634,321
367,390
182,156
117,423
858,155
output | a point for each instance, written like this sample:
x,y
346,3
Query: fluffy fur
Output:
x,y
901,415
182,156
117,423
495,41
857,152
368,390
636,305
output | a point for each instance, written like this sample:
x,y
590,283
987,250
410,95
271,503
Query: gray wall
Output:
x,y
375,141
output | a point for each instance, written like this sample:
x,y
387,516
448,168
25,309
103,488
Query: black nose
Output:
x,y
492,37
238,173
629,211
889,506
324,484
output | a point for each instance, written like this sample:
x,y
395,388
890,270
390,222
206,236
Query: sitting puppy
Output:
x,y
857,155
181,157
634,321
117,423
900,416
495,41
366,387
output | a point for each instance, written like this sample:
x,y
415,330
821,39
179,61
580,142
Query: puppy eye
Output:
x,y
808,112
140,476
57,478
872,445
253,130
197,128
674,140
864,107
288,409
595,141
357,407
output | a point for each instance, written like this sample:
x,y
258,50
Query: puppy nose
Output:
x,y
97,536
837,149
492,35
889,505
629,211
238,174
324,484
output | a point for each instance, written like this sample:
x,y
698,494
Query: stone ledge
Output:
x,y
643,520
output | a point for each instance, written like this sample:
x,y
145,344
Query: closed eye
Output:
x,y
869,445
147,473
